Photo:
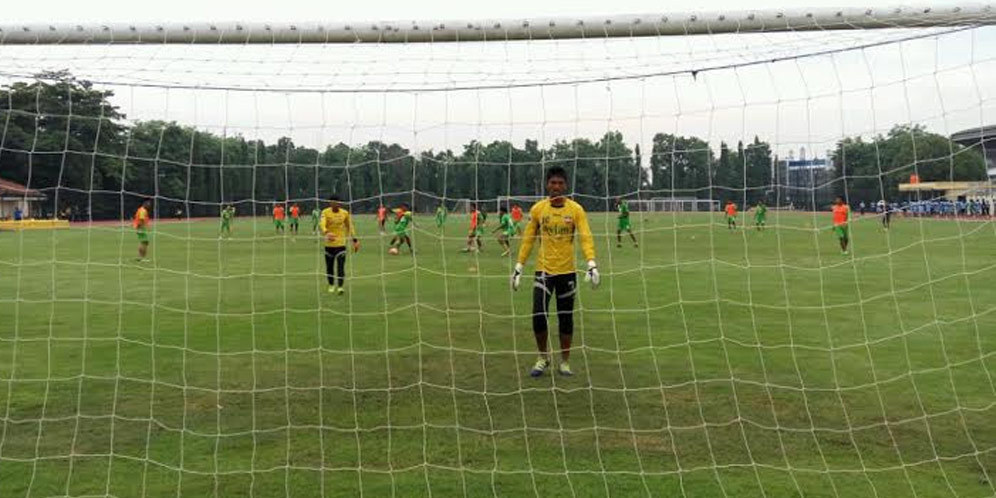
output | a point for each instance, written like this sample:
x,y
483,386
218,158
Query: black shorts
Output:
x,y
561,286
564,287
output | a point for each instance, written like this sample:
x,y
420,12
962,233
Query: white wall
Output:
x,y
7,208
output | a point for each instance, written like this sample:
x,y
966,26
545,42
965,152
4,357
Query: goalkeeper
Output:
x,y
337,226
555,220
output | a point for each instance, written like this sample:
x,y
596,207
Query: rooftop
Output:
x,y
14,189
986,133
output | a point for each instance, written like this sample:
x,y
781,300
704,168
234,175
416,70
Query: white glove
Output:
x,y
516,276
592,275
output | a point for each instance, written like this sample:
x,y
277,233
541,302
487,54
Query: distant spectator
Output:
x,y
18,214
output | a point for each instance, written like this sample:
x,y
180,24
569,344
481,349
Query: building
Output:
x,y
14,195
983,138
951,191
804,183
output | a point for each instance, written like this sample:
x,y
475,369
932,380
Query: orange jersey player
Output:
x,y
381,217
141,223
517,218
841,217
474,242
295,214
278,218
731,215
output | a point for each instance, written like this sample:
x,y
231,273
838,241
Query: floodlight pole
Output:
x,y
662,24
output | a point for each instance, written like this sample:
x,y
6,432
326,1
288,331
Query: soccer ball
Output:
x,y
393,251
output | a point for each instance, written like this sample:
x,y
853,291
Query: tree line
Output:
x,y
65,137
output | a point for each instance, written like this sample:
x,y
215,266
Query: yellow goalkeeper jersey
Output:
x,y
556,227
339,224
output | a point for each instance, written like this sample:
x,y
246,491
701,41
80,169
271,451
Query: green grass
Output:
x,y
709,362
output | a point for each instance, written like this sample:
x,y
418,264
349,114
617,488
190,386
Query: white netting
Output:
x,y
747,359
674,204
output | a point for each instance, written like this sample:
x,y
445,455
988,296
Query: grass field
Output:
x,y
709,362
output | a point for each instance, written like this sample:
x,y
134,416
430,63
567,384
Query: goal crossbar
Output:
x,y
624,26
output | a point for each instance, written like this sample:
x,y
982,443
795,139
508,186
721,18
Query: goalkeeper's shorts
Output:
x,y
564,287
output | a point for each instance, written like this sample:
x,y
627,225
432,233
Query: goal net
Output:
x,y
231,339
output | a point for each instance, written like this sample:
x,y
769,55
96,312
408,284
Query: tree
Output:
x,y
61,136
681,166
869,171
758,161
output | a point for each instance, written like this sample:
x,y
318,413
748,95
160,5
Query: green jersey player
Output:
x,y
227,213
760,215
401,227
506,230
440,216
624,224
315,216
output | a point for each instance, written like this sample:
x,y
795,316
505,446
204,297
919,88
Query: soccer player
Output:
x,y
506,230
555,221
316,216
841,216
295,218
623,208
337,226
886,213
760,215
278,218
399,212
381,218
440,216
401,229
731,215
517,217
474,242
141,223
227,213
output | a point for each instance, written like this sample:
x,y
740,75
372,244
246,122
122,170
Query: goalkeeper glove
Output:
x,y
592,275
516,276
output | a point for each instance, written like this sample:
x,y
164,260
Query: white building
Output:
x,y
14,195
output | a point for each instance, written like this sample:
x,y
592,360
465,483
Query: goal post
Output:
x,y
472,30
257,294
674,205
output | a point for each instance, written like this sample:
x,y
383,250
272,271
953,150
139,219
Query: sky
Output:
x,y
437,96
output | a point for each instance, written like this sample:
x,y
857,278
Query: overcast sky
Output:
x,y
356,93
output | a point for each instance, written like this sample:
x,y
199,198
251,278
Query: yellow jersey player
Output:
x,y
337,226
556,221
